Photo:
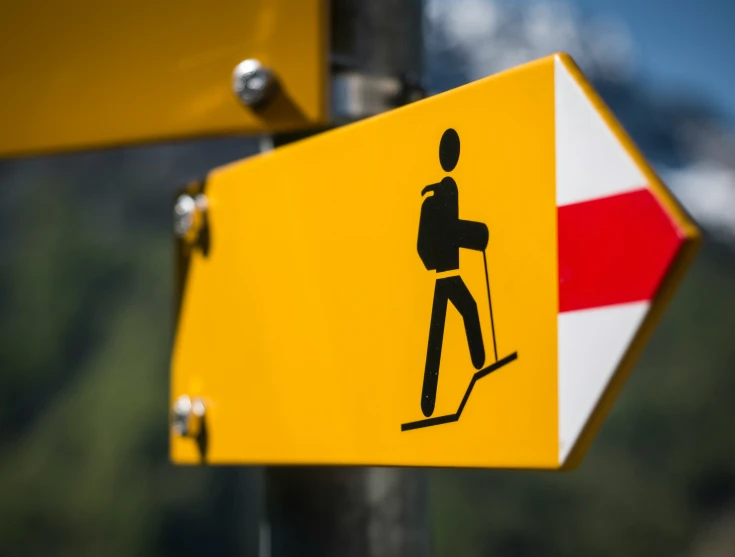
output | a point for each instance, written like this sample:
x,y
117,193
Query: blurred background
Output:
x,y
86,305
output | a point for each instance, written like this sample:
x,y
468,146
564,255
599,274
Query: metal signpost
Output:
x,y
357,511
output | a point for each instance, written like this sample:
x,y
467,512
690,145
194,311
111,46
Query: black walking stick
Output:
x,y
490,303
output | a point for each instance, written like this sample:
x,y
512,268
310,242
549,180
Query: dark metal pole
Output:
x,y
356,511
347,512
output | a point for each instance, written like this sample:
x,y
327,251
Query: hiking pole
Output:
x,y
490,303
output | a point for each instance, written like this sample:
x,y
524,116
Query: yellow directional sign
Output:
x,y
460,282
83,73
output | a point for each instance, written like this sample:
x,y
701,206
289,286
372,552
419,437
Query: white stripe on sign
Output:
x,y
590,161
591,344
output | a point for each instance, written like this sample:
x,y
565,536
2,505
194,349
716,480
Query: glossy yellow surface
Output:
x,y
85,73
305,327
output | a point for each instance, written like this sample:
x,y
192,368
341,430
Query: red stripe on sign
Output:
x,y
614,250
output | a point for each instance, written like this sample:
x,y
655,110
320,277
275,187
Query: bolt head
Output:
x,y
184,211
180,415
188,215
186,416
253,83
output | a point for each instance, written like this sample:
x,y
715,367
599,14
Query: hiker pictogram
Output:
x,y
441,235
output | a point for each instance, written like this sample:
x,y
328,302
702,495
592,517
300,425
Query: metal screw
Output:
x,y
253,83
187,213
184,214
187,416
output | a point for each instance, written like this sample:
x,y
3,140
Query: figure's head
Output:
x,y
449,150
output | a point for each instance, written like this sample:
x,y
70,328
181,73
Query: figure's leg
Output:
x,y
434,348
462,299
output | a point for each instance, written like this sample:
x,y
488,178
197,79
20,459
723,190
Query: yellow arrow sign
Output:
x,y
82,74
460,282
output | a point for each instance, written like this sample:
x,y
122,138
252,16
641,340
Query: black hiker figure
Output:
x,y
441,234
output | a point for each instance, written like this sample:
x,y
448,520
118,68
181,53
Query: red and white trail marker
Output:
x,y
620,236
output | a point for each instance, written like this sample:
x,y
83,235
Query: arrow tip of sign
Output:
x,y
628,169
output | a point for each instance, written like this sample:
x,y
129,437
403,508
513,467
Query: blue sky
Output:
x,y
681,45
